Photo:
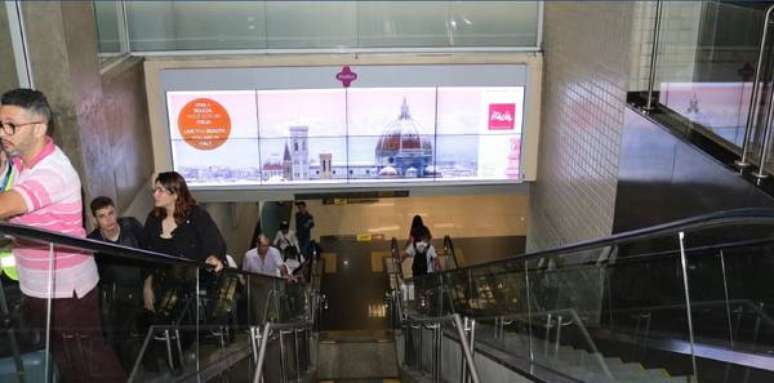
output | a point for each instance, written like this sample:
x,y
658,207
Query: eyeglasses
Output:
x,y
9,128
160,189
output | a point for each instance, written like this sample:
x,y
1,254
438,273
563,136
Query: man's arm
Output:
x,y
409,252
283,268
277,238
310,222
11,204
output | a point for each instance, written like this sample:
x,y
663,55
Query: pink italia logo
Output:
x,y
502,116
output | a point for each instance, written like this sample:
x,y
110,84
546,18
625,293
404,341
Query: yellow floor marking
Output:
x,y
330,262
377,260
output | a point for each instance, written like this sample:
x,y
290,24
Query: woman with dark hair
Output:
x,y
178,226
417,229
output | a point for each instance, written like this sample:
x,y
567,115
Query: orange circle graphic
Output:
x,y
204,124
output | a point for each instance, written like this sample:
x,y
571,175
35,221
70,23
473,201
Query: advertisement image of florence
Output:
x,y
400,152
388,138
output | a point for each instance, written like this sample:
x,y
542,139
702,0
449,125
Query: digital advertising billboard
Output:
x,y
347,135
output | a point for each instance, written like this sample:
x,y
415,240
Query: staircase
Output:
x,y
579,363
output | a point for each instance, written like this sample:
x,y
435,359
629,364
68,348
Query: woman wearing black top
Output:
x,y
179,227
417,228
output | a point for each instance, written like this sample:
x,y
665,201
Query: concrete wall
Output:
x,y
586,74
8,78
101,116
236,222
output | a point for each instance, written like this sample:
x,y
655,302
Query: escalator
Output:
x,y
685,301
230,326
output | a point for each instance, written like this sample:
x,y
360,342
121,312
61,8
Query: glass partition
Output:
x,y
107,16
234,25
681,300
706,63
150,316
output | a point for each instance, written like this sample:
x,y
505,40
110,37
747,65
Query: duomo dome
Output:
x,y
401,147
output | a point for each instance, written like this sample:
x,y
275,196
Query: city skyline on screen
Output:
x,y
308,136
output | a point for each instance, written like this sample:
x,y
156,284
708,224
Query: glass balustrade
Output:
x,y
200,323
684,300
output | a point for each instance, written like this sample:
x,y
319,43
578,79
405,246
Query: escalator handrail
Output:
x,y
737,216
448,245
28,233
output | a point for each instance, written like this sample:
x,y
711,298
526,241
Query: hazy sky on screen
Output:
x,y
372,109
462,115
323,111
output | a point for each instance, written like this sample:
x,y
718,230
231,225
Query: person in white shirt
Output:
x,y
265,259
293,261
425,258
285,239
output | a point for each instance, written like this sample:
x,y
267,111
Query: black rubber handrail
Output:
x,y
449,246
738,216
31,234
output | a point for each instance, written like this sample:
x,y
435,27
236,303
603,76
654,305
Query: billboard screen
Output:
x,y
346,135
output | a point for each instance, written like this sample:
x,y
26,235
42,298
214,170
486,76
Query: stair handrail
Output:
x,y
752,112
745,302
448,247
736,216
576,319
456,321
93,246
106,249
268,328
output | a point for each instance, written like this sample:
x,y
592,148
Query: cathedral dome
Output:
x,y
401,146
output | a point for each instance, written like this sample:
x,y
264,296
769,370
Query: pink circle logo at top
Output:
x,y
346,76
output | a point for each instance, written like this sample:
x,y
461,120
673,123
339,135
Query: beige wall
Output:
x,y
481,215
236,222
101,116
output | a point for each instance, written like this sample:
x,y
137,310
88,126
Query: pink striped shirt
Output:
x,y
51,190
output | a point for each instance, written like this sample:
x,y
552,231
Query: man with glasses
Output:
x,y
47,194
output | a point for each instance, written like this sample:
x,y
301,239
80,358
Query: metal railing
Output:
x,y
528,286
283,298
448,249
301,348
465,332
402,291
753,111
